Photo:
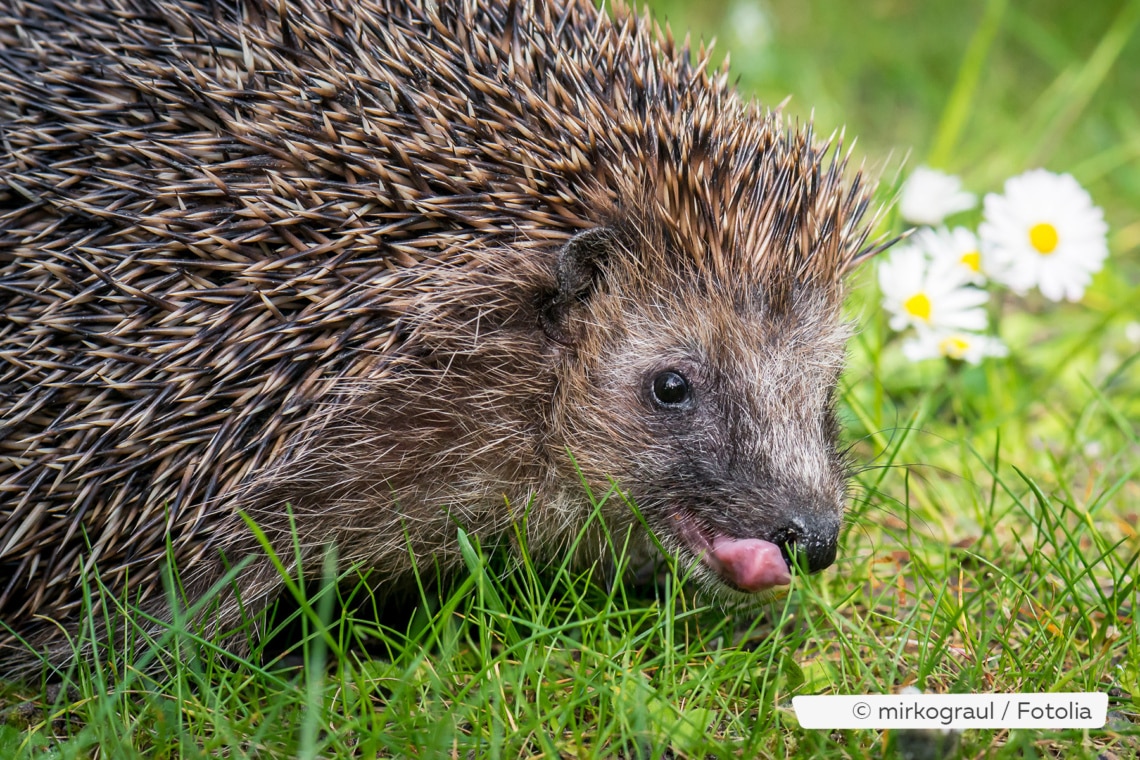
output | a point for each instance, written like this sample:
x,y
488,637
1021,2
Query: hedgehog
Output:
x,y
367,273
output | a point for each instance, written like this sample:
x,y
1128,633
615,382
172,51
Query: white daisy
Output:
x,y
750,23
953,344
958,246
1043,232
928,196
929,294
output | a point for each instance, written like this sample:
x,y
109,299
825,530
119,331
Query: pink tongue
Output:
x,y
750,563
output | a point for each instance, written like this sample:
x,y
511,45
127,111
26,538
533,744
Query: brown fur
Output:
x,y
306,252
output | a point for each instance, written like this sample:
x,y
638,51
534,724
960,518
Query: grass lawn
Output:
x,y
991,542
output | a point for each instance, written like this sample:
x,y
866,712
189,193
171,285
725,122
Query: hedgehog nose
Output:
x,y
809,544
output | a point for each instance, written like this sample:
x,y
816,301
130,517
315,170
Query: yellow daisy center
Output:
x,y
1043,237
953,346
918,305
973,260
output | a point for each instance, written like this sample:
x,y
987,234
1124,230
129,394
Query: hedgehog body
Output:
x,y
391,263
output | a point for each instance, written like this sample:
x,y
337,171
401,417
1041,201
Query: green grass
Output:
x,y
991,541
509,663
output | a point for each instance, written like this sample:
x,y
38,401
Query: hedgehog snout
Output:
x,y
810,541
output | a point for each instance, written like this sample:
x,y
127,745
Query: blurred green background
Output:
x,y
985,89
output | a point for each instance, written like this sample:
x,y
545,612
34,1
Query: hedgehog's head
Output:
x,y
702,358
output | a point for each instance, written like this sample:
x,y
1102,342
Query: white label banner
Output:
x,y
1063,710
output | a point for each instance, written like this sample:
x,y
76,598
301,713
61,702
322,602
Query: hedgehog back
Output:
x,y
212,217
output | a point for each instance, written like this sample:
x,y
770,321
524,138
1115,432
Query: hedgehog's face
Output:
x,y
718,421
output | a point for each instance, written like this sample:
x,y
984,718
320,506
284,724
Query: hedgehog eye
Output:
x,y
670,388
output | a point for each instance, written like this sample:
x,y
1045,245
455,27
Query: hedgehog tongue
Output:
x,y
750,563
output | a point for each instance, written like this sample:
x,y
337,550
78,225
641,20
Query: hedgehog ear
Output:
x,y
576,269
